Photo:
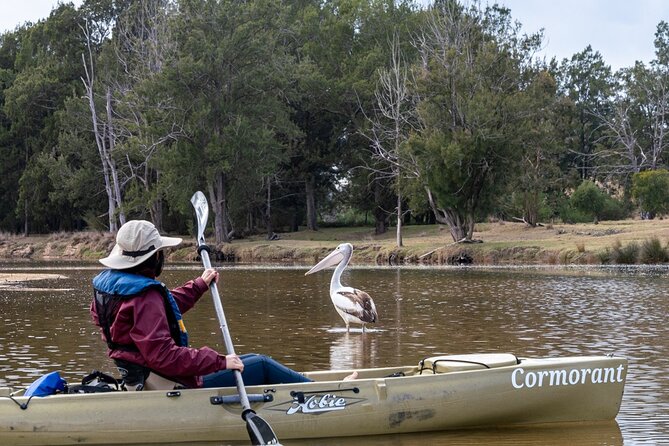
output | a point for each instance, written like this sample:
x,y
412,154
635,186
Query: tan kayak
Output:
x,y
440,393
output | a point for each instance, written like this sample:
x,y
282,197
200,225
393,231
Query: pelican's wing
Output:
x,y
361,305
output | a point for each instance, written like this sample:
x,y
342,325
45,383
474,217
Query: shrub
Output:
x,y
652,251
650,189
605,257
588,199
569,214
614,209
625,255
591,201
566,257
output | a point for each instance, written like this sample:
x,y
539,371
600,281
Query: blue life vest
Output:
x,y
113,286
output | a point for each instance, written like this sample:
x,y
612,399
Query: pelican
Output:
x,y
352,304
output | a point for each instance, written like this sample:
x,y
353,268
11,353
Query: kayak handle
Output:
x,y
235,399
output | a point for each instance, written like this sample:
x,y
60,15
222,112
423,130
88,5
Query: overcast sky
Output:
x,y
621,30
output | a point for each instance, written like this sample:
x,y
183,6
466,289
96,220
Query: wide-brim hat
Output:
x,y
136,241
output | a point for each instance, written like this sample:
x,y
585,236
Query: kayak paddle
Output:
x,y
259,431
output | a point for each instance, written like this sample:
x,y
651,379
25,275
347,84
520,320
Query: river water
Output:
x,y
531,311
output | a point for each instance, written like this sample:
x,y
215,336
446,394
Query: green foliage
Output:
x,y
473,111
615,209
586,82
588,199
589,202
571,215
650,189
263,104
519,203
538,173
348,218
230,72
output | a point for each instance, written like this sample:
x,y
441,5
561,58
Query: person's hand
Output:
x,y
234,362
210,275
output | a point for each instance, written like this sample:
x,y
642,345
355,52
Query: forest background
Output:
x,y
305,114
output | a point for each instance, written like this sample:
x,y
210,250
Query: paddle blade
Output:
x,y
199,202
259,431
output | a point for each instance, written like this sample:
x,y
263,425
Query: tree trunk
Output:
x,y
532,208
112,165
26,213
380,225
217,196
268,210
100,142
156,207
460,226
157,214
310,189
294,221
380,216
25,218
399,217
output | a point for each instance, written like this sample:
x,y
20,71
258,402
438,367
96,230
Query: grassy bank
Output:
x,y
503,243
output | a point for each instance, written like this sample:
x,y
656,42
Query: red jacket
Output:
x,y
142,321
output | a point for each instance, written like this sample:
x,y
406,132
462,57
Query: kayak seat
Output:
x,y
459,363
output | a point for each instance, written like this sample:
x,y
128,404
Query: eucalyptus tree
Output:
x,y
338,45
538,175
84,170
474,75
229,78
588,84
321,41
133,118
10,142
103,128
147,119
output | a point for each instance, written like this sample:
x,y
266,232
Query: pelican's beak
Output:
x,y
332,259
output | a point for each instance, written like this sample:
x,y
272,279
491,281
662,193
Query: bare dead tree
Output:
x,y
104,138
636,131
625,155
393,119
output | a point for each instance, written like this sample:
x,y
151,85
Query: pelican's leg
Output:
x,y
363,328
347,327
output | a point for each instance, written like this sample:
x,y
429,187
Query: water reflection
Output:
x,y
351,349
422,312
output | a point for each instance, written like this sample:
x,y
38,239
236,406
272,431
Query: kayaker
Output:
x,y
141,322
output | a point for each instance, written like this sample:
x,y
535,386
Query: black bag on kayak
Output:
x,y
94,383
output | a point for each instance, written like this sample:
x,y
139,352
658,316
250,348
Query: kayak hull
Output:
x,y
381,401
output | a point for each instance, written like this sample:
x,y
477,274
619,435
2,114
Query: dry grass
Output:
x,y
503,243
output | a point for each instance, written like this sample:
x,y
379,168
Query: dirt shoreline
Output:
x,y
502,243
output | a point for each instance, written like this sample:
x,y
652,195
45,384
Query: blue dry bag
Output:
x,y
46,385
